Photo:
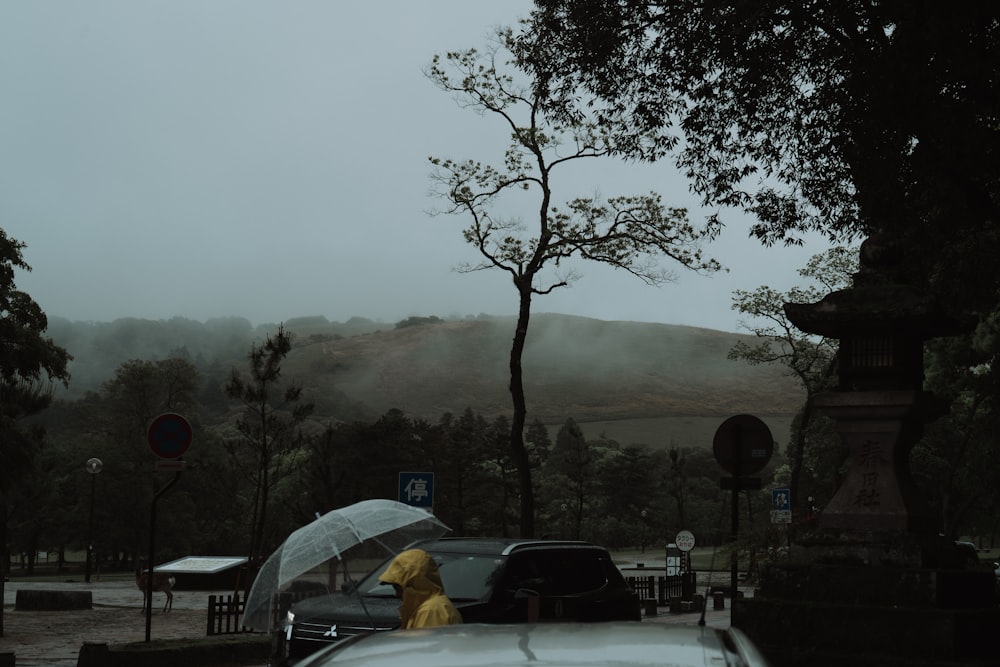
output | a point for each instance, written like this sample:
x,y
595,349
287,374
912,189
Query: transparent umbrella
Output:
x,y
388,523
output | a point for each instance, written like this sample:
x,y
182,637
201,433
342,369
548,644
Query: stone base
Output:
x,y
837,614
896,588
43,600
822,634
891,549
244,649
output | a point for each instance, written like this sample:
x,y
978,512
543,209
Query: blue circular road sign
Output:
x,y
169,435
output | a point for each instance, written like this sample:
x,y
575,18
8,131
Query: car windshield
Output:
x,y
465,576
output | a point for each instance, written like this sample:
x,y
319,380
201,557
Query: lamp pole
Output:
x,y
94,467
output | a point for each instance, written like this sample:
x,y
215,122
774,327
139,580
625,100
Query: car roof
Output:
x,y
623,644
501,546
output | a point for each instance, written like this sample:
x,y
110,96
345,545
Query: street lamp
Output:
x,y
642,531
94,467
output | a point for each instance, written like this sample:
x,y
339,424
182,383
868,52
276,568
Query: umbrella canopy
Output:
x,y
391,524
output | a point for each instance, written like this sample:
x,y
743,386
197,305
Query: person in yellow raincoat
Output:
x,y
414,575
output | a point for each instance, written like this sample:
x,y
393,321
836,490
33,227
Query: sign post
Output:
x,y
168,436
685,542
743,446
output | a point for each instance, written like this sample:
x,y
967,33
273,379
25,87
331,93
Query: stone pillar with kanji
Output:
x,y
880,406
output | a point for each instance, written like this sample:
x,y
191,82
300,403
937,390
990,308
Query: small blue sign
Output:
x,y
781,499
416,488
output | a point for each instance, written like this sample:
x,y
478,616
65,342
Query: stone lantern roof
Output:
x,y
881,322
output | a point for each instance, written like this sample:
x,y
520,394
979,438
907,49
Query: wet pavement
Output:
x,y
54,638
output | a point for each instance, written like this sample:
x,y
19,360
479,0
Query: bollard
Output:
x,y
534,608
675,604
719,601
93,654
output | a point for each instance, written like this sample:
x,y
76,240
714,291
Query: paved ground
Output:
x,y
54,638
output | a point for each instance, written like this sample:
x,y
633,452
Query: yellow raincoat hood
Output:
x,y
424,601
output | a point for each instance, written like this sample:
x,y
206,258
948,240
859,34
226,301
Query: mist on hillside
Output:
x,y
593,371
573,366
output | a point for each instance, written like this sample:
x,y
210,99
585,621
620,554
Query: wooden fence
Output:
x,y
662,589
225,612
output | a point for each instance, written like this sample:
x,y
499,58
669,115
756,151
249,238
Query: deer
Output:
x,y
162,581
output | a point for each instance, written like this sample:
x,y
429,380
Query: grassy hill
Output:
x,y
634,382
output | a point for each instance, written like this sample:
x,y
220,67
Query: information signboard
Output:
x,y
781,506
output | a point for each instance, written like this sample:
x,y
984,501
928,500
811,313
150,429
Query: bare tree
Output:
x,y
633,233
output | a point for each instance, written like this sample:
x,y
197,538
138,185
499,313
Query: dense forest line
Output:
x,y
336,438
337,443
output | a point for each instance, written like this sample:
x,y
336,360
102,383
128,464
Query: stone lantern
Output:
x,y
880,406
873,582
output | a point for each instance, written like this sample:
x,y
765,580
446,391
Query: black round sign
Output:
x,y
743,445
169,435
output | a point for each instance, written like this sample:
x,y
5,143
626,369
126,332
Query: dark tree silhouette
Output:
x,y
631,233
29,365
269,433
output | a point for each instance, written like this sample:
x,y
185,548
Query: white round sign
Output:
x,y
684,540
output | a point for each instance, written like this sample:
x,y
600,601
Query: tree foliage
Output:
x,y
269,433
116,425
29,364
956,462
841,118
849,119
631,233
810,359
801,93
573,464
27,355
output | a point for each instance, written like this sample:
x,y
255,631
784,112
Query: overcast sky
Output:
x,y
210,158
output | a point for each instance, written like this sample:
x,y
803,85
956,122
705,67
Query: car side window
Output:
x,y
524,573
467,577
555,572
575,573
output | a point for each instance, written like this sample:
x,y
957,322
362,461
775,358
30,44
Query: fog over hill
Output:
x,y
631,381
597,372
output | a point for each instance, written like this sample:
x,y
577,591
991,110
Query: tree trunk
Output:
x,y
4,555
798,453
519,452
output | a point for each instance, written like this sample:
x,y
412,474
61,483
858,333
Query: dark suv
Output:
x,y
489,581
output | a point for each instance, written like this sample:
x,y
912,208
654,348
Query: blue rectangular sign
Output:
x,y
416,488
781,499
